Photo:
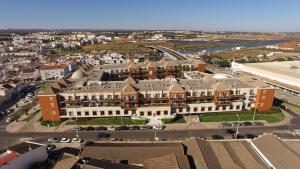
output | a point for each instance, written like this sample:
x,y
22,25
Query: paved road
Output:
x,y
13,138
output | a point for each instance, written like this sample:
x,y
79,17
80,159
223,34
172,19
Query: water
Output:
x,y
230,44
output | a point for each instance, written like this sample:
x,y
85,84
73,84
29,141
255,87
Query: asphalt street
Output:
x,y
143,135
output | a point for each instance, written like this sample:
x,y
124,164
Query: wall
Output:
x,y
264,99
49,107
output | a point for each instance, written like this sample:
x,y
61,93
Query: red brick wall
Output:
x,y
201,67
49,106
264,99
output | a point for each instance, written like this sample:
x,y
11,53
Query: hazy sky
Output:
x,y
207,15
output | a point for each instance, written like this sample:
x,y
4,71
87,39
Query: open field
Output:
x,y
108,121
131,47
239,53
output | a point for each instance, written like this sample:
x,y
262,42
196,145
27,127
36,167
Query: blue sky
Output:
x,y
207,15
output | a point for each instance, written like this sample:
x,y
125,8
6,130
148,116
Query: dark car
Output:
x,y
217,137
237,136
89,128
250,136
134,128
230,131
122,128
236,124
103,135
225,124
51,147
100,128
247,123
257,124
146,127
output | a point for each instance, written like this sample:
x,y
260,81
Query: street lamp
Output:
x,y
237,127
155,136
77,132
254,113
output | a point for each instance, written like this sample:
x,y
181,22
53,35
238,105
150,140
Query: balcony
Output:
x,y
224,103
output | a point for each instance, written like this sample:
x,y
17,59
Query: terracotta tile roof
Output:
x,y
170,161
48,67
175,87
128,88
219,86
66,162
7,157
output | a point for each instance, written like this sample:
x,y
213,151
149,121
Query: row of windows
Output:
x,y
96,113
196,109
157,113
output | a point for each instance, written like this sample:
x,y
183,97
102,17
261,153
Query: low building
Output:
x,y
50,72
23,156
29,75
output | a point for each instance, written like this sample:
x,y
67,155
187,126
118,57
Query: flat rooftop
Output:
x,y
289,70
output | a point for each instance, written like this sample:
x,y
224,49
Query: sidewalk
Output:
x,y
34,126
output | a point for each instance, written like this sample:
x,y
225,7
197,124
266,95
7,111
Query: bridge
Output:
x,y
170,52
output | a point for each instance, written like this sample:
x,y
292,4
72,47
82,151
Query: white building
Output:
x,y
53,72
112,58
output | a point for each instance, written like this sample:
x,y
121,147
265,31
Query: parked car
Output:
x,y
237,136
217,137
158,127
102,135
8,120
134,128
89,128
234,124
111,128
53,140
230,131
65,140
11,110
146,127
247,123
50,147
225,124
101,128
257,123
77,128
113,139
250,136
29,95
122,128
76,140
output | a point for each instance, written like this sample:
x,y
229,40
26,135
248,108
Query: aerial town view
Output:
x,y
149,84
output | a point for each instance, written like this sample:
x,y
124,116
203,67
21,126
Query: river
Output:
x,y
228,45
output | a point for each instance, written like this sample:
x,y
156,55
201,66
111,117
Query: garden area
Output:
x,y
271,116
108,121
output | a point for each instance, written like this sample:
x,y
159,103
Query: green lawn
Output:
x,y
294,108
31,116
49,123
272,116
109,121
173,120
